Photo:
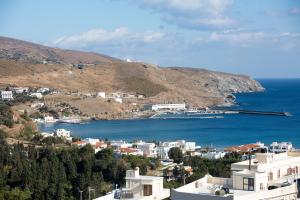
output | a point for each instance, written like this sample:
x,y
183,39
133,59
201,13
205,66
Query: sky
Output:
x,y
260,38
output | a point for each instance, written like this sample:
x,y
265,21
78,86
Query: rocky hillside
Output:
x,y
21,64
28,52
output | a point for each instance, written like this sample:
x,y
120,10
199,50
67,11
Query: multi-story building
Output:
x,y
279,147
162,152
6,95
268,176
62,133
186,146
148,149
157,107
139,188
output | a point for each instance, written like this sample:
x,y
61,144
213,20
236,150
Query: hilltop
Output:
x,y
28,64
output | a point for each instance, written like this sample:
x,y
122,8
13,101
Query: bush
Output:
x,y
6,115
176,154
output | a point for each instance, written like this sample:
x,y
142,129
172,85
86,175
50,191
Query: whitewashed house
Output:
x,y
62,133
43,90
91,141
279,147
37,95
101,94
162,152
148,149
120,144
118,100
7,95
49,119
139,187
157,107
213,154
268,176
20,90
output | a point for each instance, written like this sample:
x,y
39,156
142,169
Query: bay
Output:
x,y
281,95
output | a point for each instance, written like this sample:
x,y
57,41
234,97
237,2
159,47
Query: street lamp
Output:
x,y
80,191
91,189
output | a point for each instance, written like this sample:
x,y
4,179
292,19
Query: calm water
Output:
x,y
280,95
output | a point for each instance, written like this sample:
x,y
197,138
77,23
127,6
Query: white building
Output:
x,y
62,133
6,95
37,105
43,90
37,95
101,94
45,134
139,188
130,151
268,176
49,119
213,154
162,152
157,107
279,147
120,144
20,90
186,146
118,100
148,149
164,147
170,144
91,141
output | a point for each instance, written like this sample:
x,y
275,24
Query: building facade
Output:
x,y
7,95
268,176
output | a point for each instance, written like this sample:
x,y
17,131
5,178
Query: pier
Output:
x,y
257,112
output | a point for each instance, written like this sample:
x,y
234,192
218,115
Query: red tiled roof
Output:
x,y
78,143
100,144
241,148
128,150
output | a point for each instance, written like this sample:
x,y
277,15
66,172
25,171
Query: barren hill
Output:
x,y
197,87
19,50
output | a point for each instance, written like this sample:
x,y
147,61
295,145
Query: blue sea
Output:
x,y
281,95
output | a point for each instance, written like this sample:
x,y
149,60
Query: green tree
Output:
x,y
176,154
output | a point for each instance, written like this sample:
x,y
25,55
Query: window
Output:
x,y
261,186
147,190
278,173
270,176
296,170
248,184
289,171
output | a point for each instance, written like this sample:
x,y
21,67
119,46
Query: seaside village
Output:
x,y
37,101
264,172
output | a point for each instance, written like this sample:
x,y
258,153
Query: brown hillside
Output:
x,y
197,87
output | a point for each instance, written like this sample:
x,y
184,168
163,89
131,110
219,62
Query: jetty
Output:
x,y
257,112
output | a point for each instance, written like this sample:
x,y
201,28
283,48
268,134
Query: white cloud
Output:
x,y
98,37
238,38
191,13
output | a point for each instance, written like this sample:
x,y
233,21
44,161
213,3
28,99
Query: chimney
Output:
x,y
136,172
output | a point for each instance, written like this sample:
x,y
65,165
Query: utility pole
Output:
x,y
80,191
91,189
250,157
